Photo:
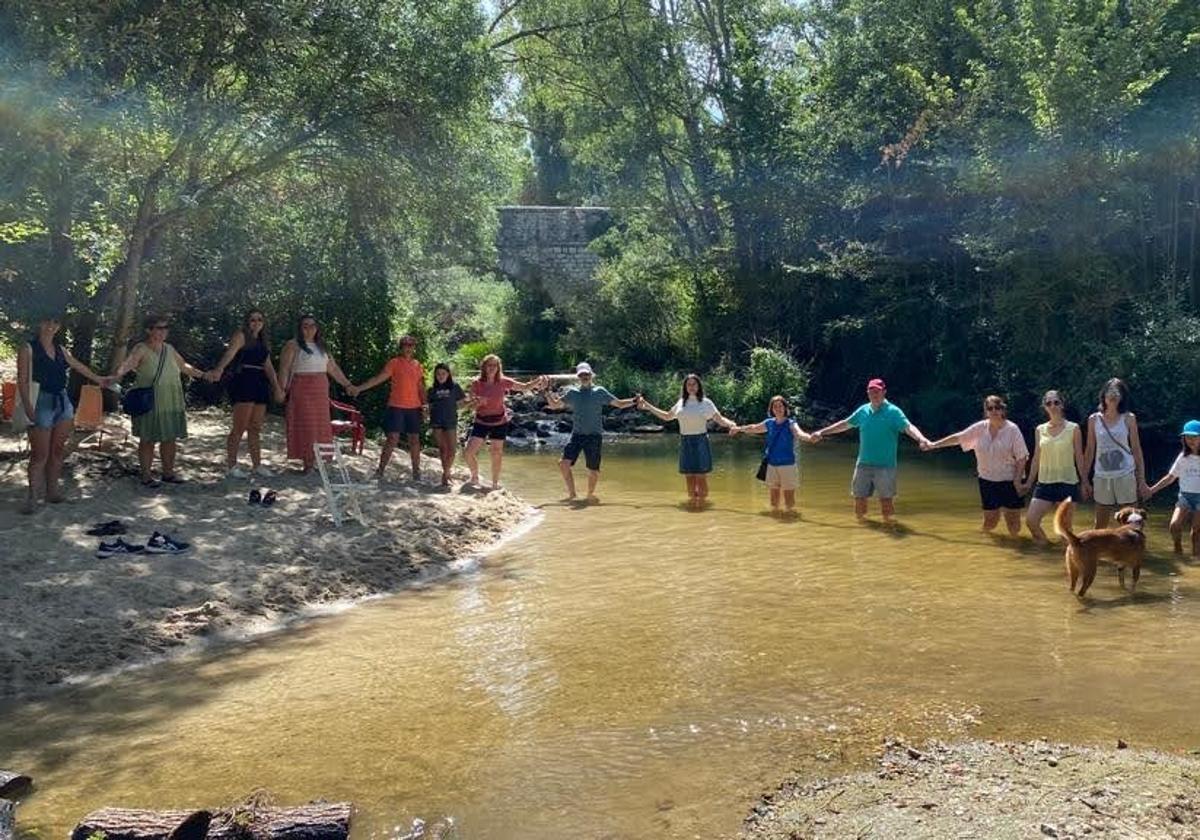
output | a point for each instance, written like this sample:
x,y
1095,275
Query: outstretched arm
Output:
x,y
942,443
665,416
554,401
835,429
628,402
535,384
750,429
803,436
1139,463
131,361
913,432
85,371
331,367
236,342
1083,460
383,376
721,420
189,369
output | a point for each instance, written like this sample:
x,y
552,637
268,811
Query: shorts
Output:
x,y
695,455
402,421
249,385
479,430
998,494
1188,501
873,481
783,477
52,409
1110,492
589,445
1055,492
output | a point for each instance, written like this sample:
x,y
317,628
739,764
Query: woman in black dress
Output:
x,y
250,388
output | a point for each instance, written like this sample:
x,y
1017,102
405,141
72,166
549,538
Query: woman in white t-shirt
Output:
x,y
1187,470
693,411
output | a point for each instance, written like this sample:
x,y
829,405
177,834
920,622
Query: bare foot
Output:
x,y
593,499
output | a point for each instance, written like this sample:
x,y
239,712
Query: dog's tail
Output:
x,y
1062,521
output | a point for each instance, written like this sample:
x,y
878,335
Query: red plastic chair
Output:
x,y
352,426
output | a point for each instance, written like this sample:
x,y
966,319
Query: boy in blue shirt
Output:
x,y
879,425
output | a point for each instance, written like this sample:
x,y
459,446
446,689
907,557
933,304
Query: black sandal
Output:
x,y
268,499
254,498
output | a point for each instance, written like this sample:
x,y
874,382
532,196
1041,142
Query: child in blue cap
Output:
x,y
1187,469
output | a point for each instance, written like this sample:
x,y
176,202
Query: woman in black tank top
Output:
x,y
51,415
251,385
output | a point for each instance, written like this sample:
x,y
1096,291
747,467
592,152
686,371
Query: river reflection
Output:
x,y
637,670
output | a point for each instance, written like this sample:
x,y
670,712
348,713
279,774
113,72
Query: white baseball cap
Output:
x,y
583,367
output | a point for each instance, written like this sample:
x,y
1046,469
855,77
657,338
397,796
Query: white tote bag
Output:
x,y
21,422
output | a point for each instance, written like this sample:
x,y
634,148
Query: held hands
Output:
x,y
1085,489
280,395
213,375
353,390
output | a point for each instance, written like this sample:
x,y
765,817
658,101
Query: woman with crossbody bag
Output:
x,y
1115,452
159,415
778,468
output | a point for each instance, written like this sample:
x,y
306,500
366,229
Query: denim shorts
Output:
x,y
1188,501
52,409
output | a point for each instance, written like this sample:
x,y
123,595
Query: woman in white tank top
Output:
x,y
1114,452
305,369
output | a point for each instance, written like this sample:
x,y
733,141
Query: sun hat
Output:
x,y
877,383
1191,427
583,367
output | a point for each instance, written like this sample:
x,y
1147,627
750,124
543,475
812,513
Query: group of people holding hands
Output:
x,y
1106,464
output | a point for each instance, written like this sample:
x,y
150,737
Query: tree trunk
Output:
x,y
13,784
315,821
130,271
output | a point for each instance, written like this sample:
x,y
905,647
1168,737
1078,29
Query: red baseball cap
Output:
x,y
877,383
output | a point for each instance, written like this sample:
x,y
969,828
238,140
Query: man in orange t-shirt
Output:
x,y
406,406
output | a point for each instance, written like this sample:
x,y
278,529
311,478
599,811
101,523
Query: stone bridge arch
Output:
x,y
549,246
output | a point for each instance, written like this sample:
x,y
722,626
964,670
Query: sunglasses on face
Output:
x,y
1052,402
159,327
995,408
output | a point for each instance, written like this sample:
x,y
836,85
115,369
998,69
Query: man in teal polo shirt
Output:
x,y
879,425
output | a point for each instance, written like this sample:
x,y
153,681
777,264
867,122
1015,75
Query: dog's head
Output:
x,y
1134,517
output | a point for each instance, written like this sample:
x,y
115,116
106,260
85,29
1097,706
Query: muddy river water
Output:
x,y
638,670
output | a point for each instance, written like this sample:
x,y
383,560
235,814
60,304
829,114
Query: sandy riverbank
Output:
x,y
65,613
992,790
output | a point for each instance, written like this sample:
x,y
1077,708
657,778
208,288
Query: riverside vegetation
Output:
x,y
963,198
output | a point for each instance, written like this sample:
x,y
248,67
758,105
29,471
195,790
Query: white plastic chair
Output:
x,y
341,491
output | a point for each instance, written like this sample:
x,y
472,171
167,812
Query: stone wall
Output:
x,y
549,245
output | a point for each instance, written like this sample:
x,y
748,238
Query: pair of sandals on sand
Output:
x,y
166,479
257,497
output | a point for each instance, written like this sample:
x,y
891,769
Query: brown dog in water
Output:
x,y
1124,546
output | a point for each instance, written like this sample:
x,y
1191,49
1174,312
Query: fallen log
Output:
x,y
13,785
6,819
315,821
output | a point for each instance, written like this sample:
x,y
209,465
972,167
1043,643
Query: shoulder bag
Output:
x,y
139,401
761,475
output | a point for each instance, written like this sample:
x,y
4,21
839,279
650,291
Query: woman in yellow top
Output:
x,y
1056,467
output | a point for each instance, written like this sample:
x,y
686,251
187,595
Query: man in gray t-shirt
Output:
x,y
587,402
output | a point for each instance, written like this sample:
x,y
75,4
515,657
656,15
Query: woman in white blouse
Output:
x,y
693,411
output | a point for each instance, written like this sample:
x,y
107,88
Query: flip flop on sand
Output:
x,y
268,498
254,498
173,479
